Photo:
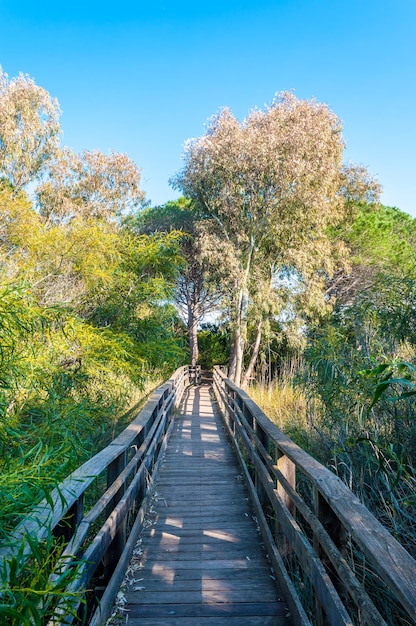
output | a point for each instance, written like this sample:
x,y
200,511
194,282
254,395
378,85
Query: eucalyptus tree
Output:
x,y
268,188
90,185
29,129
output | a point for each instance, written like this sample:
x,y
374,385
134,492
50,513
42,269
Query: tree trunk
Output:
x,y
239,360
193,333
233,357
238,337
253,360
236,356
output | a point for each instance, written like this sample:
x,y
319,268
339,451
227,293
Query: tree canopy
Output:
x,y
195,295
268,188
90,185
29,129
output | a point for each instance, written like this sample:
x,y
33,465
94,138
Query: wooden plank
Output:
x,y
207,564
212,609
214,550
170,574
252,620
193,515
204,537
205,596
193,544
200,525
178,499
199,583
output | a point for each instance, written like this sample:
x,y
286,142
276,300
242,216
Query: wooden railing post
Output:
x,y
264,440
248,416
117,545
323,515
335,530
288,469
229,394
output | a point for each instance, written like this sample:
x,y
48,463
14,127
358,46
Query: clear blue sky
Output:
x,y
143,76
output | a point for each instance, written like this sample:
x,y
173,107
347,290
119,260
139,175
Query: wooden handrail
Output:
x,y
315,535
123,470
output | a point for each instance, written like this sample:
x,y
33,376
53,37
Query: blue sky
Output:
x,y
142,77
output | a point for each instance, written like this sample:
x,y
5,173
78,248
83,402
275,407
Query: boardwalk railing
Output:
x,y
332,557
90,508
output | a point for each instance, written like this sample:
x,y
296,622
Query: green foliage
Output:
x,y
214,346
85,326
341,368
395,375
31,594
391,303
353,391
384,236
174,215
27,477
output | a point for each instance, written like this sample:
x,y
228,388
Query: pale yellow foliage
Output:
x,y
269,187
90,185
284,404
64,263
278,168
29,129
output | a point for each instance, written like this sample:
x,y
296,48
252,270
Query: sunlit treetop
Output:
x,y
29,129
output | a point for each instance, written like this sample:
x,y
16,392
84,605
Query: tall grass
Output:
x,y
329,410
66,390
293,409
372,450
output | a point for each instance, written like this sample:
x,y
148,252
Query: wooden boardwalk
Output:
x,y
202,561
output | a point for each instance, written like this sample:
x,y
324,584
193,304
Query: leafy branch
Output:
x,y
396,375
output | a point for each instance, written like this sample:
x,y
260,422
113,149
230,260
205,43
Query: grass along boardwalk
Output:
x,y
201,560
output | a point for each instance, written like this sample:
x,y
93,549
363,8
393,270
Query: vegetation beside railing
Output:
x,y
77,540
336,562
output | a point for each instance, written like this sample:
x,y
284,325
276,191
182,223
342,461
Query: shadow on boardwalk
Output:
x,y
200,560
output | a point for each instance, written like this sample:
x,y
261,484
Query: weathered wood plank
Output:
x,y
222,525
204,537
199,545
203,596
212,609
175,501
206,583
173,574
229,620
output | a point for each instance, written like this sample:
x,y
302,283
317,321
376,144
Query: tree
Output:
x,y
29,129
382,241
268,188
195,296
99,272
90,185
